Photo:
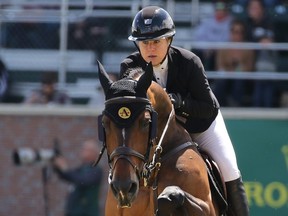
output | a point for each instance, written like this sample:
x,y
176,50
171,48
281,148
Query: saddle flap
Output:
x,y
216,181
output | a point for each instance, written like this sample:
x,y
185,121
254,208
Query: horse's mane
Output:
x,y
134,73
157,95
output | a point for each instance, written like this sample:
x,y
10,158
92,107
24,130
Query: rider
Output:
x,y
181,73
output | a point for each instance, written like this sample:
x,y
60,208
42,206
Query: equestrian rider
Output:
x,y
181,73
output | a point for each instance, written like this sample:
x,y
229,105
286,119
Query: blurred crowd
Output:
x,y
232,21
254,24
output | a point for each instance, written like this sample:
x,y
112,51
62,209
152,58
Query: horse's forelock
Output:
x,y
135,73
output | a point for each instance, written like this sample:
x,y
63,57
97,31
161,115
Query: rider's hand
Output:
x,y
176,99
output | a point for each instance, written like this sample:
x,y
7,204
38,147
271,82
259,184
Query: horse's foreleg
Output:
x,y
176,202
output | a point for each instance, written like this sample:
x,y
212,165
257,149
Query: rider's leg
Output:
x,y
216,142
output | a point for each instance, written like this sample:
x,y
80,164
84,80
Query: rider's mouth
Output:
x,y
152,56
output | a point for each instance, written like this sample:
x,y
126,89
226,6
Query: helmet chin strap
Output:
x,y
166,52
164,56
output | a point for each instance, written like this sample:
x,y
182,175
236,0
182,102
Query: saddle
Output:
x,y
216,181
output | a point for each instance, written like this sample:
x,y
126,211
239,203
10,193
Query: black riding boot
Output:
x,y
236,197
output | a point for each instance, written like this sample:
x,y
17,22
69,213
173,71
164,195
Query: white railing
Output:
x,y
189,44
48,60
50,11
63,62
46,110
247,75
192,44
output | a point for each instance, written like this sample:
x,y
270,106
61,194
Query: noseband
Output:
x,y
124,153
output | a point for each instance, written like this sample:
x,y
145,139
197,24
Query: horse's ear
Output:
x,y
104,77
146,79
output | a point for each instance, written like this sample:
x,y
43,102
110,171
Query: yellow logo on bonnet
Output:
x,y
124,113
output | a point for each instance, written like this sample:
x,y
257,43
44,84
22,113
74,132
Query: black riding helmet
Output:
x,y
152,22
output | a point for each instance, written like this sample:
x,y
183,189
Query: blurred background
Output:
x,y
63,39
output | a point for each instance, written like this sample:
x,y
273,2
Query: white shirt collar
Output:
x,y
161,73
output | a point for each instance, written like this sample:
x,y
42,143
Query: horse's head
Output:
x,y
128,126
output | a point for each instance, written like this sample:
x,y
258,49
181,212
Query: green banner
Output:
x,y
262,152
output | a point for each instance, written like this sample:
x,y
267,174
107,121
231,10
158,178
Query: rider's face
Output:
x,y
154,50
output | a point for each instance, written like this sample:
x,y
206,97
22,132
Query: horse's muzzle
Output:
x,y
124,181
125,192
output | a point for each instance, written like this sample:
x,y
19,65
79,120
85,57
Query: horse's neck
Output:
x,y
175,136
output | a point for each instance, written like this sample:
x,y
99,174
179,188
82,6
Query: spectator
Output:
x,y
213,29
83,200
233,60
4,82
263,95
260,29
48,94
78,36
267,3
257,21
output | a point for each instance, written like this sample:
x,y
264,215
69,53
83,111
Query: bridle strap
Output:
x,y
158,149
150,170
176,150
122,150
100,155
166,128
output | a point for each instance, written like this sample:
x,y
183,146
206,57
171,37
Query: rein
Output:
x,y
151,170
155,164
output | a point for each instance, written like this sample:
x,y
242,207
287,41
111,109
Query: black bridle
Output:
x,y
149,172
123,152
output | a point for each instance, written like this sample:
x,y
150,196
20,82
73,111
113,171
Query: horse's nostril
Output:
x,y
133,188
127,189
114,189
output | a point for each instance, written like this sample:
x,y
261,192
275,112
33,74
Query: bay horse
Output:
x,y
155,168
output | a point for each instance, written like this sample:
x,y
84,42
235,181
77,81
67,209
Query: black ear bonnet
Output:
x,y
124,103
125,87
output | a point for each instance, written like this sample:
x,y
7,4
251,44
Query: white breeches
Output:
x,y
216,142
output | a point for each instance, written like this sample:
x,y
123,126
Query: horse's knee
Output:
x,y
171,199
173,194
174,201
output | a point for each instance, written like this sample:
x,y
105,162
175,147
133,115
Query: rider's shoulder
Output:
x,y
184,54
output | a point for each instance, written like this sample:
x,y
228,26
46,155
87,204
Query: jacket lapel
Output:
x,y
172,70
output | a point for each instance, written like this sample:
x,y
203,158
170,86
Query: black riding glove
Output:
x,y
176,99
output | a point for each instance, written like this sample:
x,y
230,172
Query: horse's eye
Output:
x,y
106,123
146,122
